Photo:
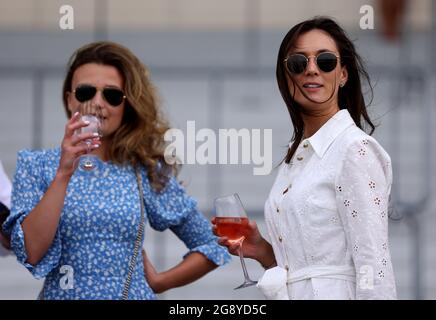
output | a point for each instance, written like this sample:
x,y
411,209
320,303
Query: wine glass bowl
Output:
x,y
232,227
91,113
232,222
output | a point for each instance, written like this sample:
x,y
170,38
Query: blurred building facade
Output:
x,y
214,62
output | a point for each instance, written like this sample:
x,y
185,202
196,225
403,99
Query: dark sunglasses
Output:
x,y
297,63
86,92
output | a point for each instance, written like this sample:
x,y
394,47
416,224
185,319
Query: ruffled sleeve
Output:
x,y
363,187
173,208
27,190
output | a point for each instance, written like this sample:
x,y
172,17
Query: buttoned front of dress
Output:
x,y
326,215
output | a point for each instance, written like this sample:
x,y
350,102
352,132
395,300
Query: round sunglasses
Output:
x,y
113,96
297,63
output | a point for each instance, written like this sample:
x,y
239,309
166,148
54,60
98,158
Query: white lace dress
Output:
x,y
327,216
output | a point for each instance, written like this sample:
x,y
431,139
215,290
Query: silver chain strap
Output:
x,y
138,241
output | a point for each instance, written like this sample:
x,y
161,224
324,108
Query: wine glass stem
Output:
x,y
241,256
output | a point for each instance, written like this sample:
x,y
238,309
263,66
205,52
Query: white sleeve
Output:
x,y
363,186
5,188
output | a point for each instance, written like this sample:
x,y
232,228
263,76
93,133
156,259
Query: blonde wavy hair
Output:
x,y
139,139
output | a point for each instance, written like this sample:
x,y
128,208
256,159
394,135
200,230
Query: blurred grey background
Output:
x,y
214,62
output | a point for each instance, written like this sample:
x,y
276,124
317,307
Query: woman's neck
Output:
x,y
315,120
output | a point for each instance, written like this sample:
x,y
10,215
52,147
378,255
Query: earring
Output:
x,y
342,84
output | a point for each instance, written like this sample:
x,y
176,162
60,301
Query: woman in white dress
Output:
x,y
327,212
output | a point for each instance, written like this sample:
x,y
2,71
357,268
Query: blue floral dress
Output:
x,y
98,227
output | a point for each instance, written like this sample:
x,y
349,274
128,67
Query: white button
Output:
x,y
305,145
300,158
280,238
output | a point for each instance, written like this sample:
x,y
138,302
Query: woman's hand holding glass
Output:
x,y
74,145
252,239
255,246
231,221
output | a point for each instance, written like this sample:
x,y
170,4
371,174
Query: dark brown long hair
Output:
x,y
139,139
349,97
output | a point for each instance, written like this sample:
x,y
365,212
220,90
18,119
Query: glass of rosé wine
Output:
x,y
231,222
92,113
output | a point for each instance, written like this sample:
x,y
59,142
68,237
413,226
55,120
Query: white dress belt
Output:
x,y
274,282
344,272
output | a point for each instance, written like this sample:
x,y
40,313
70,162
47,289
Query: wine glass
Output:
x,y
231,222
92,113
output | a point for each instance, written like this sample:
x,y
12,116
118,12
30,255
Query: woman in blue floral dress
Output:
x,y
78,229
